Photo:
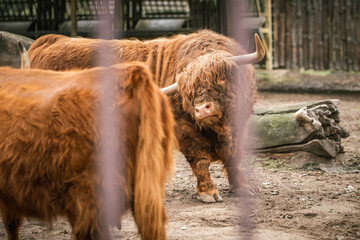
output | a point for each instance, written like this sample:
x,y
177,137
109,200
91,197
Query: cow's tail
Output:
x,y
154,157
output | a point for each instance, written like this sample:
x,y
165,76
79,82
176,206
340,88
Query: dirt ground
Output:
x,y
298,196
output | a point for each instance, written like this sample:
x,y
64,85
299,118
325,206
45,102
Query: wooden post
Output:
x,y
305,43
337,29
356,35
343,33
320,34
326,34
349,54
288,35
300,34
310,12
293,35
316,35
276,33
331,35
74,31
282,44
268,31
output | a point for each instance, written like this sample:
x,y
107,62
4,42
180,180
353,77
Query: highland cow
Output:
x,y
210,81
49,139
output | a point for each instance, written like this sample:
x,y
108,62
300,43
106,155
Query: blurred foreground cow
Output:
x,y
49,139
215,83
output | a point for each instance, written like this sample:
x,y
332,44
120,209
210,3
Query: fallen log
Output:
x,y
307,126
9,49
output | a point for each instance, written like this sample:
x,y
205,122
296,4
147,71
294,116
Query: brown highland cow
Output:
x,y
49,139
215,97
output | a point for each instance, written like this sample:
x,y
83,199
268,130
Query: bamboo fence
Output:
x,y
316,34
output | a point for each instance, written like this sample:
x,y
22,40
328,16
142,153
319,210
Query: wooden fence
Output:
x,y
317,34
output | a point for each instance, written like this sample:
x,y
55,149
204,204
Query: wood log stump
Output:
x,y
308,126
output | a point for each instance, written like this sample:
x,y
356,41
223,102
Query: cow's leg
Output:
x,y
206,188
86,226
198,150
83,214
12,224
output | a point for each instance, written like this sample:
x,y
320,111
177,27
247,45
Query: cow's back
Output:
x,y
57,52
164,56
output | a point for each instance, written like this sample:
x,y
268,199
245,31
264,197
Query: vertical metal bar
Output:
x,y
235,12
74,31
108,151
118,17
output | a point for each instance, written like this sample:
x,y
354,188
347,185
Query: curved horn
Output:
x,y
170,89
25,62
251,57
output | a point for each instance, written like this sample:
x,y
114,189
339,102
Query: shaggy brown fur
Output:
x,y
200,63
49,135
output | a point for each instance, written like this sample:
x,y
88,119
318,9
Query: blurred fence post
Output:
x,y
74,31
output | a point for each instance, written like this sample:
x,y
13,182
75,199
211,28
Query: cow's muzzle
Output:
x,y
205,110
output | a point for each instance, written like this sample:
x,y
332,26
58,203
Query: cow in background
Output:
x,y
9,51
210,81
49,135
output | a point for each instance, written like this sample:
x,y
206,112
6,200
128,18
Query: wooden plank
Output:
x,y
269,53
276,33
320,35
349,45
282,40
288,35
356,8
305,35
325,17
331,35
310,12
316,35
299,34
294,63
337,32
343,45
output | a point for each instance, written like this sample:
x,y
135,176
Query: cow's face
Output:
x,y
206,90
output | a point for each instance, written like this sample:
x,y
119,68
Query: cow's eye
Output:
x,y
222,82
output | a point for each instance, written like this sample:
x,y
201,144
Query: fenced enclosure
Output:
x,y
317,34
144,17
140,18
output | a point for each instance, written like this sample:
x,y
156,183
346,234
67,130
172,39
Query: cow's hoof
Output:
x,y
210,197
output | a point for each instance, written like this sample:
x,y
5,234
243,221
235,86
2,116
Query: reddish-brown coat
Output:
x,y
49,136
